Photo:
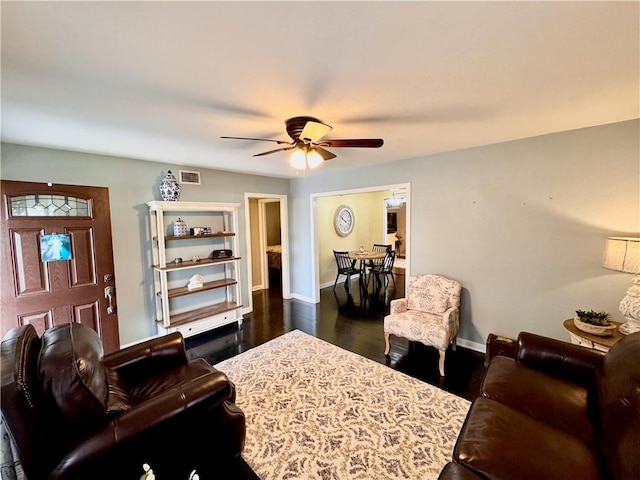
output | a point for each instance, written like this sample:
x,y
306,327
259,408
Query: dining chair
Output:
x,y
379,247
383,269
346,266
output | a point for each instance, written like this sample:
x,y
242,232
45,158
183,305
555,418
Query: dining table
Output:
x,y
363,256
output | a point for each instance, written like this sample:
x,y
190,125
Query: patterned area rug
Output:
x,y
316,411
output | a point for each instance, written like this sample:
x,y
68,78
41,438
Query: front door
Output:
x,y
57,258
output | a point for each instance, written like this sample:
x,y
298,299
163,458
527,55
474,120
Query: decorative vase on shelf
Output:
x,y
179,228
170,188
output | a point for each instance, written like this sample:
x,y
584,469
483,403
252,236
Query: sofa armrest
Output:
x,y
558,358
130,430
148,357
397,305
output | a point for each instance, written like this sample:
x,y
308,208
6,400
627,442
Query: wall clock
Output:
x,y
344,220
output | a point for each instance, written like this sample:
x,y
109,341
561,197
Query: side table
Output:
x,y
578,337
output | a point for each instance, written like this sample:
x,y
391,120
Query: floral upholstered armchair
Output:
x,y
429,314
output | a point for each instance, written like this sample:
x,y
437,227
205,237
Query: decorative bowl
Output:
x,y
599,330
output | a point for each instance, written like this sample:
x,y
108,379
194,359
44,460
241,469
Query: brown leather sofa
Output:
x,y
73,414
556,411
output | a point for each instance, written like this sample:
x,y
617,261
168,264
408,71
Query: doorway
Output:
x,y
396,226
323,234
267,243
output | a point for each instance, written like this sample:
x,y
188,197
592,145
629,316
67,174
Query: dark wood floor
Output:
x,y
353,322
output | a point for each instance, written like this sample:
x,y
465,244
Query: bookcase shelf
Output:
x,y
201,313
195,237
195,264
182,291
218,301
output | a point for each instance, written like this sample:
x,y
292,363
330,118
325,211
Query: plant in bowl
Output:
x,y
595,323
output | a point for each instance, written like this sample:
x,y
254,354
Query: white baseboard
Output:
x,y
478,347
304,299
341,282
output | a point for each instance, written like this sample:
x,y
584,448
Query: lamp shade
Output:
x,y
622,254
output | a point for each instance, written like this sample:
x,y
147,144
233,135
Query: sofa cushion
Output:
x,y
176,377
418,326
119,398
435,304
500,442
557,402
71,372
427,293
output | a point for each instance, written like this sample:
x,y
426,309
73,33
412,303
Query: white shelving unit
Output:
x,y
218,301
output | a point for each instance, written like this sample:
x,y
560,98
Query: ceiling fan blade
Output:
x,y
274,151
354,142
314,131
279,142
325,154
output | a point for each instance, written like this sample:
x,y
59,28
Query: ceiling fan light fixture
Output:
x,y
298,159
314,158
308,148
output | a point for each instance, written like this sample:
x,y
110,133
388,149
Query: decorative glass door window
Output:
x,y
49,206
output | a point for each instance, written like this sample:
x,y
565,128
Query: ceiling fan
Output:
x,y
308,147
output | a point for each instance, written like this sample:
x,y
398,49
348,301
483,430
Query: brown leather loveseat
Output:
x,y
556,411
73,414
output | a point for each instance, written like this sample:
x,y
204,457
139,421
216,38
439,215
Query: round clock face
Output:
x,y
344,220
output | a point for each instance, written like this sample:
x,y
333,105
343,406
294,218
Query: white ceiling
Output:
x,y
163,81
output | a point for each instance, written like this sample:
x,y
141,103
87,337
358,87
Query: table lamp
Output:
x,y
623,255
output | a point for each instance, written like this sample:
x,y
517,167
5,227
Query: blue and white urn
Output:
x,y
179,228
170,188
